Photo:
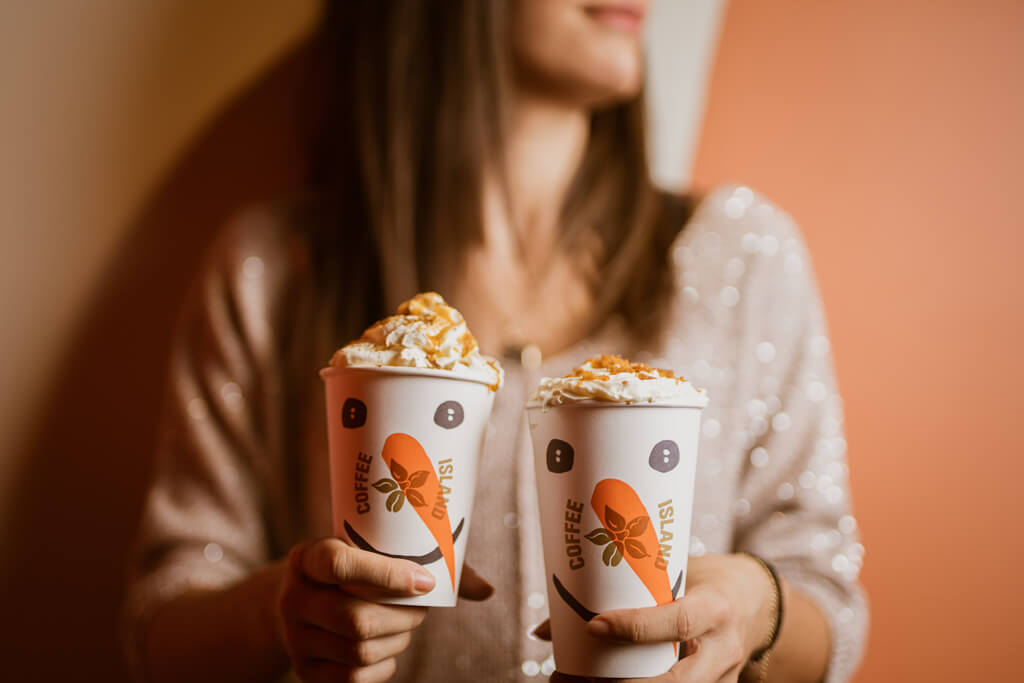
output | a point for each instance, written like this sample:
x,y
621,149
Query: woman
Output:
x,y
492,151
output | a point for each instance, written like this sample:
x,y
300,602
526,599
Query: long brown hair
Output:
x,y
416,93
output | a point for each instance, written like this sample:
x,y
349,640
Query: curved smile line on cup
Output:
x,y
588,614
427,558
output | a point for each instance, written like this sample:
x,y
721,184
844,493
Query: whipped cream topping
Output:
x,y
425,333
614,379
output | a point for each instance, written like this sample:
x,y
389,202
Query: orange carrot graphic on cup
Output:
x,y
628,533
416,481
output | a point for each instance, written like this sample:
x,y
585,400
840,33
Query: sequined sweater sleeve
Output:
x,y
793,471
203,523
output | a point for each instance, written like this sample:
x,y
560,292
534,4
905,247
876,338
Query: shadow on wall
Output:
x,y
78,498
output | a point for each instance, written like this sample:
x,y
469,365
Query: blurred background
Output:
x,y
889,128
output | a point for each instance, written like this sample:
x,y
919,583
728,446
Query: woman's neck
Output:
x,y
544,147
519,288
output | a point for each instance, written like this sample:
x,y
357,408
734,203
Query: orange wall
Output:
x,y
892,131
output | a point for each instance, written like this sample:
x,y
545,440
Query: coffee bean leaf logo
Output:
x,y
635,548
395,501
385,485
418,478
611,555
616,522
619,542
415,497
637,526
401,474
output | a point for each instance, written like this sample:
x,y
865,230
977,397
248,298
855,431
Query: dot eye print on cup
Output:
x,y
664,456
353,413
449,415
561,455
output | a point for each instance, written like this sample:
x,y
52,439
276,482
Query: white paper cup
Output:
x,y
404,447
615,486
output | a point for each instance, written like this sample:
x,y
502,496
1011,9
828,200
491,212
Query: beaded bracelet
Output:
x,y
763,655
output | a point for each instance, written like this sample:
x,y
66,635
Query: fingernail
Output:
x,y
422,581
598,628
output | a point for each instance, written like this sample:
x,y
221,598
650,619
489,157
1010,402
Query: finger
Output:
x,y
698,668
330,561
357,619
368,652
698,672
559,677
669,676
686,618
312,642
305,641
473,586
714,658
543,630
732,675
321,671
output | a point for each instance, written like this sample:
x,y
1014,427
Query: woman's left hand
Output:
x,y
725,615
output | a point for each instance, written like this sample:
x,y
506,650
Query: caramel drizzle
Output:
x,y
614,365
439,319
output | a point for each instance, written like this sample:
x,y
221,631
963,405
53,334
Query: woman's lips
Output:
x,y
628,18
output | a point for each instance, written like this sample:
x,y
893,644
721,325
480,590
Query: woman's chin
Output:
x,y
603,79
625,81
615,84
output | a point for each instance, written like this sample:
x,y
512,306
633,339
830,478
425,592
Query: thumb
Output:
x,y
473,586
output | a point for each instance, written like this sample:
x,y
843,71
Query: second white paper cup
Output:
x,y
615,486
404,449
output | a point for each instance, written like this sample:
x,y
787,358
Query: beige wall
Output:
x,y
681,38
98,98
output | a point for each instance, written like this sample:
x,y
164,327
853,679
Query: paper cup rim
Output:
x,y
596,403
435,373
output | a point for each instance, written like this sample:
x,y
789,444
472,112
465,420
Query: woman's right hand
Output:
x,y
327,623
